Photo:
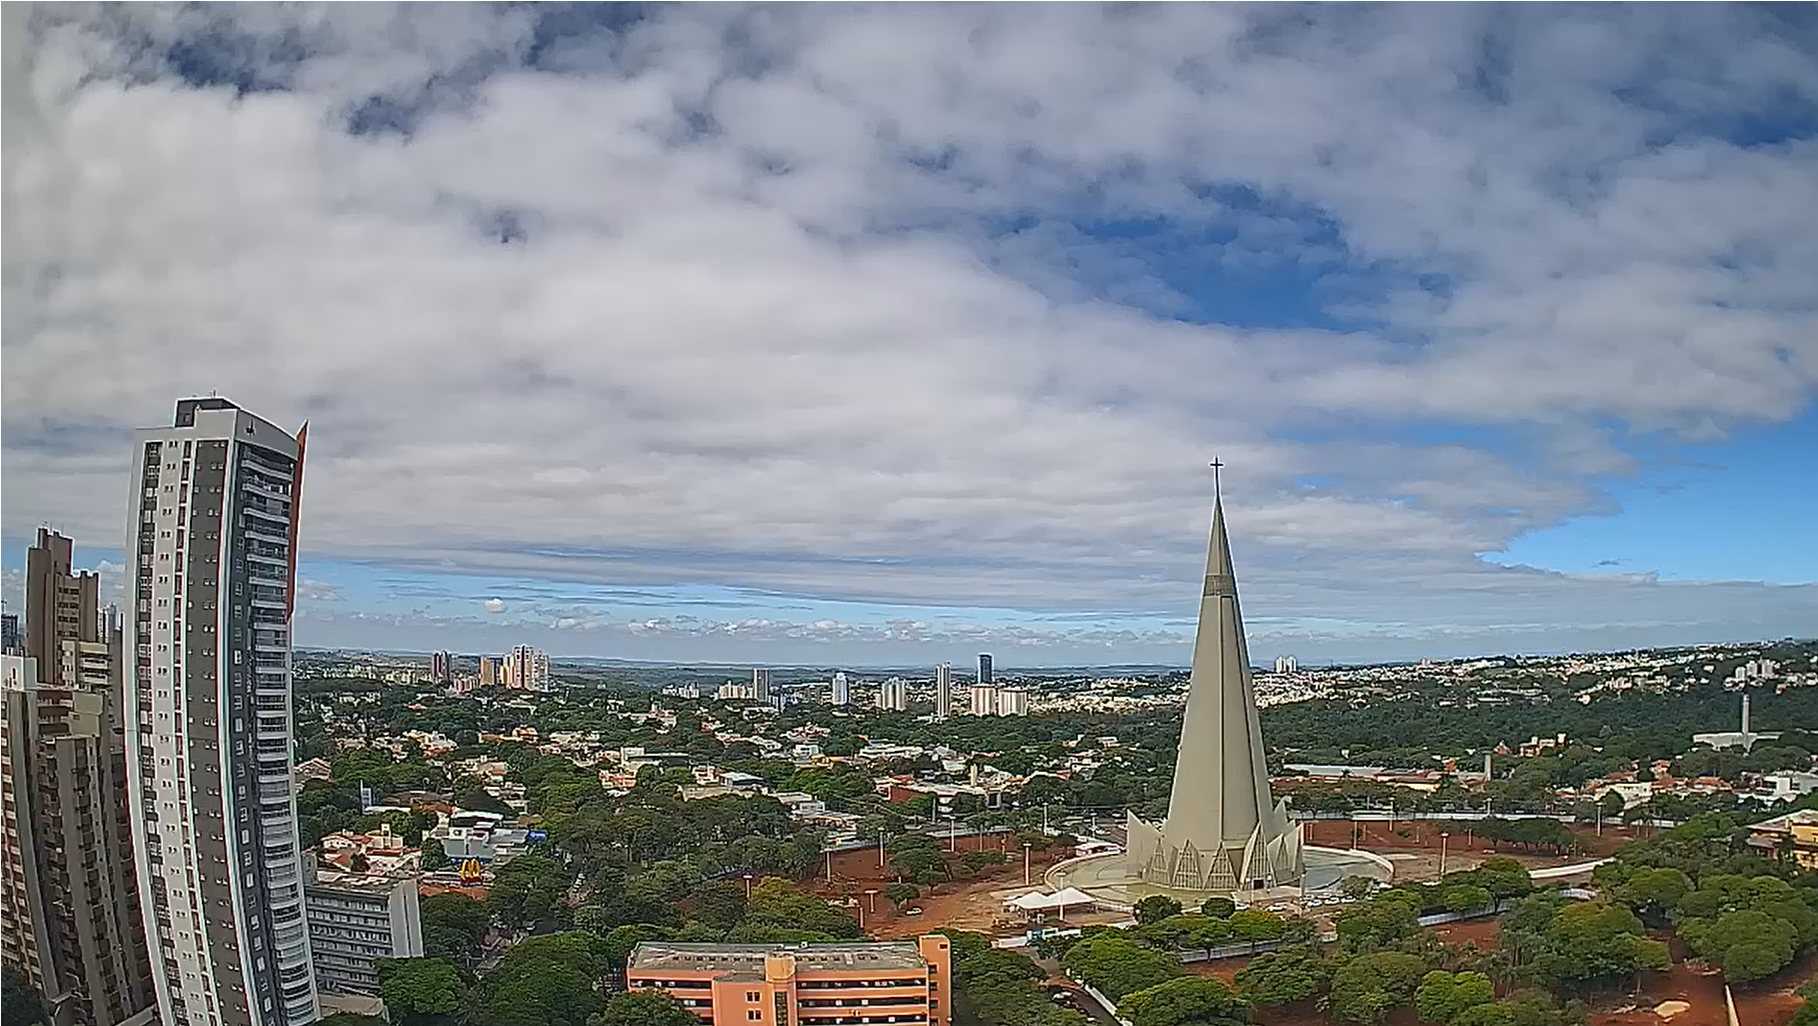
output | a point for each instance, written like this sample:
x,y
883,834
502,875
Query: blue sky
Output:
x,y
886,335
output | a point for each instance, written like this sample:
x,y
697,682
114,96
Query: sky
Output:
x,y
877,335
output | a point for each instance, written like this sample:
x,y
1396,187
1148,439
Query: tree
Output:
x,y
901,893
1594,941
780,904
20,1002
1652,893
1357,888
454,926
545,981
718,903
434,856
1283,977
1382,922
1466,898
1748,945
420,991
1255,926
1185,1001
350,1019
1503,877
646,1008
1155,908
1366,988
1117,966
1217,908
1442,996
526,890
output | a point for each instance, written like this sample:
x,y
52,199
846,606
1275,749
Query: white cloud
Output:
x,y
775,352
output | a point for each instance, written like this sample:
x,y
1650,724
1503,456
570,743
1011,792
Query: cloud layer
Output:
x,y
934,305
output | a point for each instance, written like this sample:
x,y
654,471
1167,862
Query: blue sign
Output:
x,y
536,835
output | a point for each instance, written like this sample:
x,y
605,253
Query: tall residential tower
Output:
x,y
212,535
71,921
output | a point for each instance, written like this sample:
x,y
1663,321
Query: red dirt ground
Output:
x,y
975,903
1424,834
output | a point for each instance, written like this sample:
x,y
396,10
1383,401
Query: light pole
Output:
x,y
747,885
871,899
880,847
1025,863
1442,853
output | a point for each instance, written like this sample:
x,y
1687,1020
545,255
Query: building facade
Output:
x,y
1012,702
801,984
893,695
212,532
842,690
984,670
525,669
441,667
71,919
984,700
356,919
943,692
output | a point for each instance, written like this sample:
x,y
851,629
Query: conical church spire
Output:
x,y
1223,831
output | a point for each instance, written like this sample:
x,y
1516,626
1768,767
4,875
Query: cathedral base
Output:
x,y
1110,879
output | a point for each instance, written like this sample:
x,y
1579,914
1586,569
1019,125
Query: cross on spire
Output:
x,y
1216,466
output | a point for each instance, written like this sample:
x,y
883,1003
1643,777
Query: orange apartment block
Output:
x,y
802,984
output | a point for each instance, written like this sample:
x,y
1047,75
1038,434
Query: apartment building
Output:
x,y
851,984
69,909
212,532
356,919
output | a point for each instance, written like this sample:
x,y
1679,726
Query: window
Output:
x,y
755,1015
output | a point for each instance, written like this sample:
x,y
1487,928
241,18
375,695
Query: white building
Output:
x,y
355,919
211,522
1286,664
760,685
893,695
525,669
943,692
984,700
842,691
1012,702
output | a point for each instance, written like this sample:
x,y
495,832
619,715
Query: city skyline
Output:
x,y
834,371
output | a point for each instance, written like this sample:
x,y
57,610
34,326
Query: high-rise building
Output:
x,y
740,984
984,669
441,667
984,700
842,691
212,539
12,640
893,695
489,672
943,692
1012,702
71,923
760,685
356,919
1224,831
1286,664
525,669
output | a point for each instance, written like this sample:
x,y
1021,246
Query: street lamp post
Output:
x,y
1025,863
1442,852
880,847
748,885
871,899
